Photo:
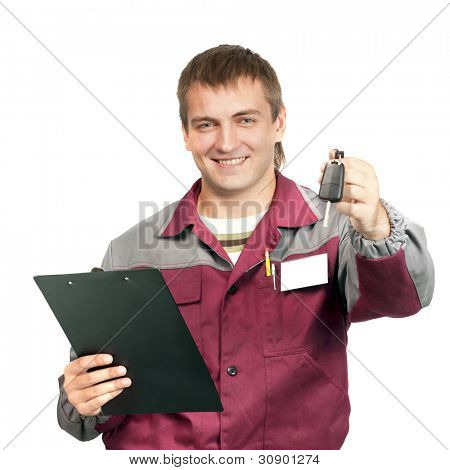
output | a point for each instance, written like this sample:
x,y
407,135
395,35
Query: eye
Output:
x,y
248,119
204,124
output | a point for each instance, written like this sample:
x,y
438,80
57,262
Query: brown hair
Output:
x,y
224,65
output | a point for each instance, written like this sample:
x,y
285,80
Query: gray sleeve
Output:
x,y
79,426
378,282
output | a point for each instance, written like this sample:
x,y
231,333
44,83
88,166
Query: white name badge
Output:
x,y
304,272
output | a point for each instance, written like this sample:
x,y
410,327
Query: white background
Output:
x,y
72,177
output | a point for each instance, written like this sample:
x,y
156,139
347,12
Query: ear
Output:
x,y
185,137
281,124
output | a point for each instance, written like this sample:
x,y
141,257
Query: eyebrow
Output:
x,y
240,113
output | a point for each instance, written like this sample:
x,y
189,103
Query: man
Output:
x,y
276,352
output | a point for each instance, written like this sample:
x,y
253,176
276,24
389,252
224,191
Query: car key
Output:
x,y
332,184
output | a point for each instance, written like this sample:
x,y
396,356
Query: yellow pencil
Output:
x,y
268,272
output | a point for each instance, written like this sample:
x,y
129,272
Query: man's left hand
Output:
x,y
360,199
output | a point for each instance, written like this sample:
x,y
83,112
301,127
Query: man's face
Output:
x,y
227,123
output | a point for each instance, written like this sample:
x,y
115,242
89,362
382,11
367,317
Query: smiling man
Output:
x,y
267,291
232,134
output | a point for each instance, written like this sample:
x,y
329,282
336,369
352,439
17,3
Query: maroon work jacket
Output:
x,y
277,358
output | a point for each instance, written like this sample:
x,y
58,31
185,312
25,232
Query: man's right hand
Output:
x,y
84,390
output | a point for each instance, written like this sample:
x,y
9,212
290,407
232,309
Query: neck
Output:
x,y
250,202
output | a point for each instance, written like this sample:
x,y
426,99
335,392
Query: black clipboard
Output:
x,y
132,315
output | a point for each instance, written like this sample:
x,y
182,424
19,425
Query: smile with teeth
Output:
x,y
234,161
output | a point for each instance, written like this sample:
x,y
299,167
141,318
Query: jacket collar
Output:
x,y
290,207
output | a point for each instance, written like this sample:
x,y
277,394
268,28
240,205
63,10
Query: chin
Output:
x,y
229,183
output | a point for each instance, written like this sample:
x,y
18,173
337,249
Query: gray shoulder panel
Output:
x,y
142,245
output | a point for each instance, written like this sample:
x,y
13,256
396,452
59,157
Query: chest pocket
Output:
x,y
185,285
291,320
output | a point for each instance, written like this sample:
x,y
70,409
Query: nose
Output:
x,y
226,139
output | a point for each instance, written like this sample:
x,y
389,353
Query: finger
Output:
x,y
93,407
355,210
355,177
75,372
92,378
357,193
82,364
358,164
81,396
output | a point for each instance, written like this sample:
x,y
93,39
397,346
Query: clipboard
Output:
x,y
132,315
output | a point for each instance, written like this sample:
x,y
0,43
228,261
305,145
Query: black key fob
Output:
x,y
332,184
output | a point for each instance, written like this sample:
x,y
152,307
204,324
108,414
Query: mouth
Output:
x,y
228,163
